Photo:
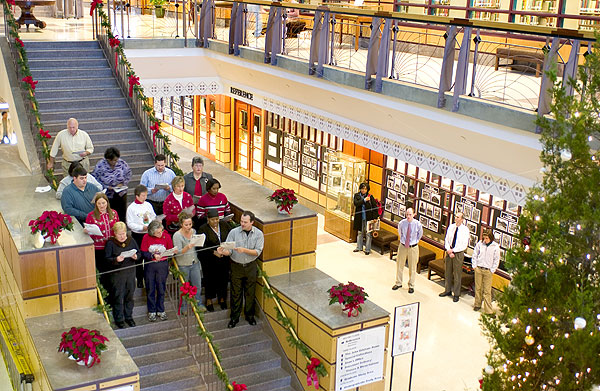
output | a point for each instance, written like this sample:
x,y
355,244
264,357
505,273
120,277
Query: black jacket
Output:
x,y
371,209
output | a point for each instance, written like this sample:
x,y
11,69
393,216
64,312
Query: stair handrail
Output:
x,y
129,83
314,366
203,332
27,85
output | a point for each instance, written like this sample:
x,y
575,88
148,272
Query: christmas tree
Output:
x,y
547,336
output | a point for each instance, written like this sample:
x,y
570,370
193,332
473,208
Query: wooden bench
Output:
x,y
521,58
425,255
438,267
383,240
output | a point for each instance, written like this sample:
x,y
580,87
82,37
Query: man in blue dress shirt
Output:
x,y
410,232
158,182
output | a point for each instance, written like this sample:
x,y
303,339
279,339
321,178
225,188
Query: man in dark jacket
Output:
x,y
365,210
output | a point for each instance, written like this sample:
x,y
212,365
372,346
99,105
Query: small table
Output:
x,y
27,16
358,22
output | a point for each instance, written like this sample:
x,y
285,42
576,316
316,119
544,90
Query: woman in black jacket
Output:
x,y
122,274
215,267
365,210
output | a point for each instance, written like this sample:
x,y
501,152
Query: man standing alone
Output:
x,y
249,243
457,239
76,146
410,232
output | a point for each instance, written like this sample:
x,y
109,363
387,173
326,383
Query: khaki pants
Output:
x,y
413,257
483,289
85,162
453,273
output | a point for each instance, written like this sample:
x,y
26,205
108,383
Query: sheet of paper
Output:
x,y
160,217
129,253
120,189
92,229
42,189
227,218
164,186
198,240
196,198
169,253
228,245
189,210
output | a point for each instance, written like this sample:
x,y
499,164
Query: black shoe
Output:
x,y
444,294
355,250
367,252
210,307
396,287
223,305
140,284
476,308
232,323
411,290
251,321
455,299
130,322
120,324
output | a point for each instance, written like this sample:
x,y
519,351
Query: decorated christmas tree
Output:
x,y
547,335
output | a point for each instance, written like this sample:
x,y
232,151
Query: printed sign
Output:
x,y
359,358
404,338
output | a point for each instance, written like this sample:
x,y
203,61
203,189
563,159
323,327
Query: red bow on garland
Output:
x,y
239,387
18,40
155,129
311,377
11,2
114,43
481,383
95,3
133,81
29,80
186,290
45,133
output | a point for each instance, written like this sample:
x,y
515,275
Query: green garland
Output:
x,y
286,322
106,308
205,334
23,71
139,92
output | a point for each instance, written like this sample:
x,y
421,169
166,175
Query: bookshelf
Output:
x,y
440,12
482,15
548,6
589,8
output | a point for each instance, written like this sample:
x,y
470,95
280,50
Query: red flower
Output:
x,y
17,40
51,224
29,80
114,42
284,199
95,3
350,295
239,387
188,291
311,377
11,2
45,133
82,344
155,130
133,81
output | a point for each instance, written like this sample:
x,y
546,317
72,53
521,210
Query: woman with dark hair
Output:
x,y
365,210
114,173
213,200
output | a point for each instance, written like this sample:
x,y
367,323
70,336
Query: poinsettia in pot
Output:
x,y
285,199
349,295
84,345
50,224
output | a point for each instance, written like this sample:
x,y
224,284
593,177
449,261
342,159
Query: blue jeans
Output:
x,y
359,238
193,274
155,274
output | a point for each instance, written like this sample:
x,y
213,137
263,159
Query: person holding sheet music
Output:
x,y
104,218
195,184
365,210
139,215
157,180
213,199
156,268
187,258
122,273
215,266
114,174
175,203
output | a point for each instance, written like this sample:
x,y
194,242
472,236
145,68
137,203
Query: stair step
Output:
x,y
176,341
48,79
51,105
36,54
78,73
173,380
144,326
86,115
164,361
66,63
251,363
51,45
107,124
271,379
55,94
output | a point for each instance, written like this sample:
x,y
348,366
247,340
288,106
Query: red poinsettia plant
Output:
x,y
50,224
83,344
284,198
350,295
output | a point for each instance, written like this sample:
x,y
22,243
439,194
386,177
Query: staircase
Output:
x,y
75,80
160,352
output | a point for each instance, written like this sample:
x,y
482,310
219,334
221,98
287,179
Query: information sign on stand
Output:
x,y
404,335
359,358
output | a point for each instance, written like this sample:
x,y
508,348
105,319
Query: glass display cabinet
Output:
x,y
344,175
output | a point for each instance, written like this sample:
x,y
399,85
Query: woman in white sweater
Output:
x,y
485,261
139,216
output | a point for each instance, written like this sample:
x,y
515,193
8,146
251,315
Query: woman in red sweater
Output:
x,y
175,203
104,217
156,268
213,200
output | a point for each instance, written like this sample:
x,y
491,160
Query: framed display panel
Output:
x,y
157,105
166,110
430,210
188,114
309,163
273,148
291,156
394,197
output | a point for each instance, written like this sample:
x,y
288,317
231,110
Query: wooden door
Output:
x,y
248,140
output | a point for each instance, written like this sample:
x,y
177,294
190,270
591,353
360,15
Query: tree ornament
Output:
x,y
579,323
489,369
566,155
529,340
526,241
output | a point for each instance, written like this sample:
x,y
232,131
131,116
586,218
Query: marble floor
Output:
x,y
451,348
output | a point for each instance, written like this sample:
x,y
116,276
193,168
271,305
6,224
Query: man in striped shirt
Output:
x,y
158,182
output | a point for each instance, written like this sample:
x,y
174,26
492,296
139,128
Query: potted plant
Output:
x,y
83,345
350,295
159,9
285,199
50,224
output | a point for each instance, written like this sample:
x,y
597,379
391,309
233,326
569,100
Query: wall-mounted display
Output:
x,y
429,207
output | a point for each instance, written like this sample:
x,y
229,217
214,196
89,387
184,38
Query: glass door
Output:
x,y
248,133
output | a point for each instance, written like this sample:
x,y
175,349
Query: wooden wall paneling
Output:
x,y
281,334
304,235
317,339
290,184
272,176
39,274
308,193
77,268
348,147
276,267
277,240
78,300
376,191
376,158
303,262
375,174
41,306
326,383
